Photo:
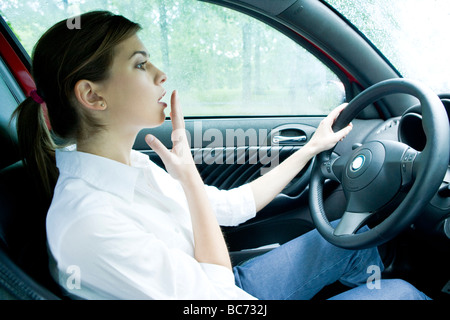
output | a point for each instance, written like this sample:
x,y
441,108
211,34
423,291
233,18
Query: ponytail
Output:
x,y
36,145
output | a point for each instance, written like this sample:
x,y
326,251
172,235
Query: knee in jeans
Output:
x,y
403,290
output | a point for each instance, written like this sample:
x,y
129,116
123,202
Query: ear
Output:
x,y
86,94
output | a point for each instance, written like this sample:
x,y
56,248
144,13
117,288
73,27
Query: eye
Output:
x,y
141,65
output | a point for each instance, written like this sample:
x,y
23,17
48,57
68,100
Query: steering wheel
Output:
x,y
382,180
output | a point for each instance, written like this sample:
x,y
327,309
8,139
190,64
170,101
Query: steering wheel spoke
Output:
x,y
351,222
411,160
332,167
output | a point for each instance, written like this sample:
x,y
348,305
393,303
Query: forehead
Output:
x,y
126,49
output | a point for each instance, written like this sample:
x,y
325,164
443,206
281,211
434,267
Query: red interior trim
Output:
x,y
349,76
18,69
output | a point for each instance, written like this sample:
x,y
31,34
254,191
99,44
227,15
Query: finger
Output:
x,y
337,111
341,107
334,114
176,115
341,134
157,146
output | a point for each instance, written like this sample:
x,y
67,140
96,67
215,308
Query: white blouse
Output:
x,y
124,232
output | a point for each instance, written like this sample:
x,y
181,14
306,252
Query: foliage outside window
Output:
x,y
221,62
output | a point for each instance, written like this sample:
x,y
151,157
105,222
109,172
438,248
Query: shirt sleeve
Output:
x,y
120,259
232,207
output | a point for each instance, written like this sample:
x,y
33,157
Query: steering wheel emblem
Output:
x,y
357,163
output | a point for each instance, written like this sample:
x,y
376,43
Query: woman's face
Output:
x,y
134,89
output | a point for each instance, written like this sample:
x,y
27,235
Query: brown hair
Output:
x,y
61,58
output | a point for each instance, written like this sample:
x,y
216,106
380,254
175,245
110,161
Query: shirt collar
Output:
x,y
103,173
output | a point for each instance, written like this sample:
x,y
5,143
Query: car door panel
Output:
x,y
242,149
229,163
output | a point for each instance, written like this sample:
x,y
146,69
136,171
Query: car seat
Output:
x,y
24,273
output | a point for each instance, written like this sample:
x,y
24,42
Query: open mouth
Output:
x,y
161,102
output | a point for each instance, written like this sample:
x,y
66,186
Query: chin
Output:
x,y
156,123
162,119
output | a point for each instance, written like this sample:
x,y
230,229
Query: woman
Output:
x,y
119,227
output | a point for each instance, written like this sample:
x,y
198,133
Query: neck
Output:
x,y
109,145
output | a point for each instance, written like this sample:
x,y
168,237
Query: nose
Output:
x,y
161,77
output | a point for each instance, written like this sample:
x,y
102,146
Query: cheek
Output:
x,y
140,91
134,99
126,92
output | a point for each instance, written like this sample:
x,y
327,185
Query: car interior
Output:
x,y
417,254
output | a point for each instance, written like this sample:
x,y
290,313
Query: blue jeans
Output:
x,y
299,269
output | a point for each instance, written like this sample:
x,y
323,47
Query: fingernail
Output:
x,y
149,138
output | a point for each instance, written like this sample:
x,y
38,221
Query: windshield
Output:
x,y
412,34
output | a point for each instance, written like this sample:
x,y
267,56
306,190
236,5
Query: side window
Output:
x,y
225,63
222,62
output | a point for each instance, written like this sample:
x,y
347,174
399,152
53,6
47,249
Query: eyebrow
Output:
x,y
144,53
